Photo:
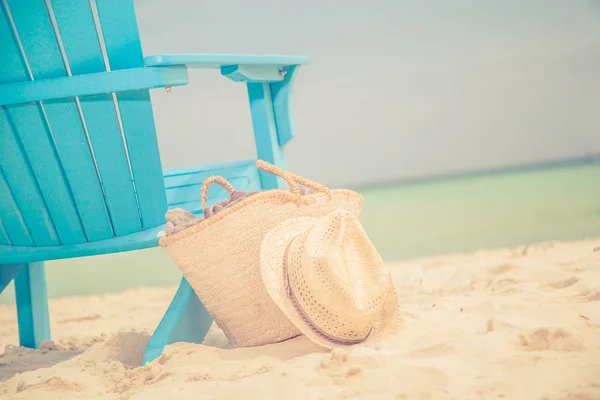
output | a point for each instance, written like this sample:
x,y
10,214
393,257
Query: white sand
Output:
x,y
515,324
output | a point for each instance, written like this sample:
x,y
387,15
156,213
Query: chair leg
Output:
x,y
8,273
272,123
186,320
32,304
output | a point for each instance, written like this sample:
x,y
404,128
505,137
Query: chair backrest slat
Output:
x,y
30,222
82,46
121,35
105,135
124,50
74,150
34,134
45,60
3,235
78,34
11,218
38,41
31,207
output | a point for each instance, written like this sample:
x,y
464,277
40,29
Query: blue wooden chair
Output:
x,y
80,170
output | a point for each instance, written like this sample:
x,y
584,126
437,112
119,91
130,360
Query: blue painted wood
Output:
x,y
81,45
12,66
90,84
13,160
124,200
252,73
37,37
32,305
121,35
281,93
265,133
79,37
40,45
186,320
196,175
8,273
39,149
124,50
82,49
13,225
135,241
3,235
77,162
207,60
111,160
142,143
24,206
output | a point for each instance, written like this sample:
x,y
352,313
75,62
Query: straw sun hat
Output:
x,y
329,280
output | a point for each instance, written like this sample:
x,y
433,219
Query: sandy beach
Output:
x,y
519,323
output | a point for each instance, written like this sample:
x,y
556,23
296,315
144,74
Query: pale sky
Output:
x,y
395,89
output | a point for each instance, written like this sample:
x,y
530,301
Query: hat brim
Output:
x,y
272,253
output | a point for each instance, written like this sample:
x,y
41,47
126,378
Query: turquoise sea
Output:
x,y
406,220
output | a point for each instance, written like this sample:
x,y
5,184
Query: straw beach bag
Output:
x,y
220,256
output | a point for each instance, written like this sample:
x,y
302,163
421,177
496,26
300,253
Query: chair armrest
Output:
x,y
215,61
237,67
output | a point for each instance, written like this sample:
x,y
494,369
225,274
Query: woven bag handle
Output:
x,y
216,179
290,178
293,179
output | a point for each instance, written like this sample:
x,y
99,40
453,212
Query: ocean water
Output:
x,y
484,212
408,220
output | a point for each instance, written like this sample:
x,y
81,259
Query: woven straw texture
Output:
x,y
329,280
220,257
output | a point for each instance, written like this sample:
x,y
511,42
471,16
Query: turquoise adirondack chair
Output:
x,y
80,170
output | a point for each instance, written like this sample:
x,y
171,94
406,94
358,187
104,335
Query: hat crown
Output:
x,y
337,276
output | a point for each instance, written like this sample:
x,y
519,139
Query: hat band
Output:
x,y
304,316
